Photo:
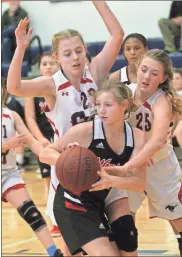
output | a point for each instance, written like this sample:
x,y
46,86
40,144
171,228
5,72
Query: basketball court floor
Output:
x,y
156,237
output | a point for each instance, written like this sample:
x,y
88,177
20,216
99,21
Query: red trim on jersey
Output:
x,y
53,124
6,116
74,207
17,186
53,186
87,80
65,85
180,194
153,217
147,105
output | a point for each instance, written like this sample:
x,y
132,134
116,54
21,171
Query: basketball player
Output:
x,y
157,106
114,142
38,123
67,92
13,186
134,45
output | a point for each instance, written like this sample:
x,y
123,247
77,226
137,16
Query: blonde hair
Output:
x,y
162,57
65,34
120,92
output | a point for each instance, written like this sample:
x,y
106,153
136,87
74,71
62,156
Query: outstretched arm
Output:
x,y
159,134
37,87
102,63
20,127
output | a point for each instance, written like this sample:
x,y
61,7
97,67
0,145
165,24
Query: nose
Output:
x,y
75,56
102,109
132,51
146,75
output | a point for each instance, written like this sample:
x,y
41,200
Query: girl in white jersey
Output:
x,y
114,142
134,45
157,106
66,93
13,186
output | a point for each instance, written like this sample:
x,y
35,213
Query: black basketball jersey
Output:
x,y
42,121
107,157
103,151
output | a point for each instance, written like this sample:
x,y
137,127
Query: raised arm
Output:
x,y
37,87
102,63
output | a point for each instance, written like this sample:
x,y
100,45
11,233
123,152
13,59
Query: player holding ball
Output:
x,y
114,142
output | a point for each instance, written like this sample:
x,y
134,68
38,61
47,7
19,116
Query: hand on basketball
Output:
x,y
22,37
71,145
104,182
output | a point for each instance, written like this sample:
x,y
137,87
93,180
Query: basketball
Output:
x,y
76,169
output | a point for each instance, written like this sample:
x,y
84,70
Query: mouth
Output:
x,y
146,84
76,65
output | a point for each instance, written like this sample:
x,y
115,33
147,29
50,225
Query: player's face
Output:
x,y
150,75
71,56
177,81
108,109
133,49
48,66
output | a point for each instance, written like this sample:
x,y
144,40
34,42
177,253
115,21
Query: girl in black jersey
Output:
x,y
38,123
134,45
114,142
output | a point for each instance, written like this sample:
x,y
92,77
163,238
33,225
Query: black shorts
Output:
x,y
77,227
45,169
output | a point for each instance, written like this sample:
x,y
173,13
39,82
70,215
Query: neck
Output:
x,y
75,80
115,130
132,68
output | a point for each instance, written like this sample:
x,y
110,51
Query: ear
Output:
x,y
86,49
54,57
165,78
125,104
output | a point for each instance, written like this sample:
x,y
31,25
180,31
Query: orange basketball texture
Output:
x,y
76,169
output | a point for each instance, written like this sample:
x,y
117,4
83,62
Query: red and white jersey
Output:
x,y
72,106
142,118
8,158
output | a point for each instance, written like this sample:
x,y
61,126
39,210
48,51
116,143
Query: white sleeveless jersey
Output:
x,y
72,106
143,119
8,158
124,75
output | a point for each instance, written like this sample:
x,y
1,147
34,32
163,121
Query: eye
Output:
x,y
155,74
108,105
97,104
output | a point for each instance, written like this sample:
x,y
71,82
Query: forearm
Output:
x,y
14,73
34,128
109,19
132,183
49,156
34,145
148,150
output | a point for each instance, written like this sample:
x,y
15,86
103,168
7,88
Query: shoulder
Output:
x,y
82,129
115,75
